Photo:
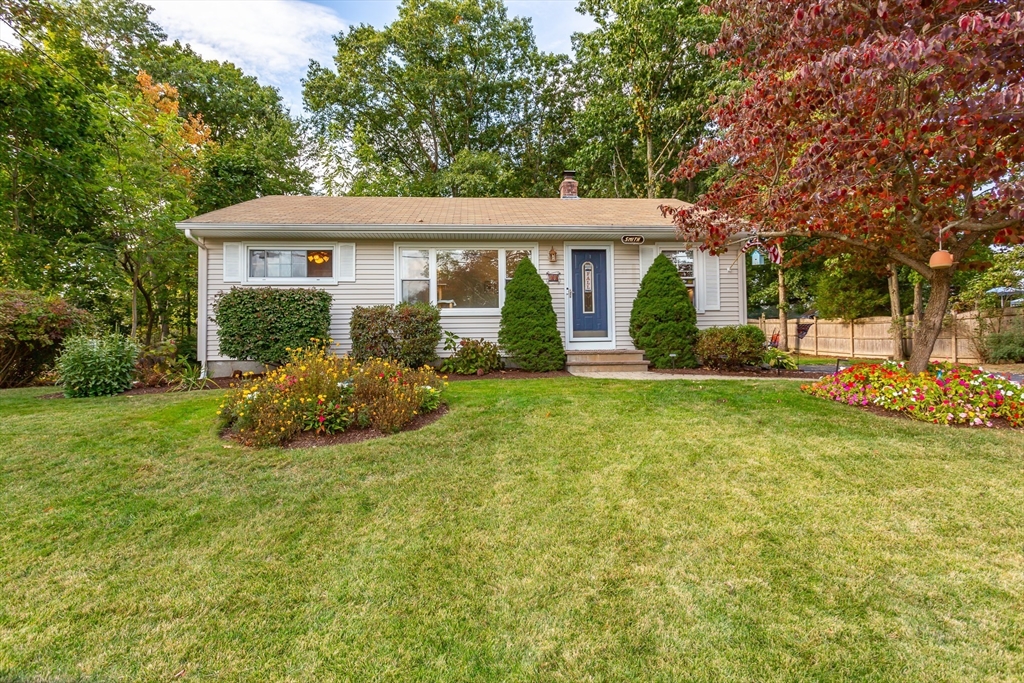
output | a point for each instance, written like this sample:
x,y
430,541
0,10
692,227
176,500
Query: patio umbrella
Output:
x,y
1004,293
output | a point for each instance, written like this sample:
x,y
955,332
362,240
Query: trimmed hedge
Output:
x,y
731,347
32,328
663,320
97,366
529,328
408,333
262,323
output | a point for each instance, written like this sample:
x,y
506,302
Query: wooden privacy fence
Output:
x,y
959,341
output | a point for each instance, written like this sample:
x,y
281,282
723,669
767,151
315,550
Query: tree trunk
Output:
x,y
930,326
650,168
783,321
918,301
896,312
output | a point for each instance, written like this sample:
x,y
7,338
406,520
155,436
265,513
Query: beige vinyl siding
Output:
x,y
374,284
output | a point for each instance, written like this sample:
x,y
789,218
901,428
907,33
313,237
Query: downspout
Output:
x,y
201,340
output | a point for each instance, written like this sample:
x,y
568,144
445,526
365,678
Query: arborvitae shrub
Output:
x,y
529,328
262,323
408,333
663,320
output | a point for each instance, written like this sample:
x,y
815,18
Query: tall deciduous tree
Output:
x,y
645,88
875,126
447,77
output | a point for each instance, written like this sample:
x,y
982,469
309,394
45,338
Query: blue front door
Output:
x,y
589,294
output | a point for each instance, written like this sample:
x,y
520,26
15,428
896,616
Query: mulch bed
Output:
x,y
313,440
219,383
510,374
763,374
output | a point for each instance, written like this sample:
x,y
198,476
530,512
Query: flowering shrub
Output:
x,y
316,391
97,366
470,356
946,394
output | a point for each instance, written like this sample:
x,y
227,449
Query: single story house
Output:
x,y
457,253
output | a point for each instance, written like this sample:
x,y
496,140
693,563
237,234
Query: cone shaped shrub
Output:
x,y
663,320
529,329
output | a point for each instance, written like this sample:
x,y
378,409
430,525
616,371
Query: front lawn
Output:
x,y
561,529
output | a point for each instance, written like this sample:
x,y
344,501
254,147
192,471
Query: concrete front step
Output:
x,y
604,356
586,362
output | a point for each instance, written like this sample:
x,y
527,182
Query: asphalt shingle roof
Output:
x,y
424,211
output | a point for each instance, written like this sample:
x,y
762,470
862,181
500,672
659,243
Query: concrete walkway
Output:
x,y
695,378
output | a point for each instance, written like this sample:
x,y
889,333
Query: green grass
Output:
x,y
558,530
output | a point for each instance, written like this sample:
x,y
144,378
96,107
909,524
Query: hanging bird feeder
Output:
x,y
941,259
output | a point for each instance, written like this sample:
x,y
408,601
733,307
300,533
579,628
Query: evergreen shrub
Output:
x,y
663,320
529,329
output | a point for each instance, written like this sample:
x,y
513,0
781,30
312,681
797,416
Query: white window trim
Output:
x,y
698,268
320,246
432,249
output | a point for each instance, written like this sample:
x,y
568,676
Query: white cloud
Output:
x,y
272,40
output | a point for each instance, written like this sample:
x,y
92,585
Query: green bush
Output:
x,y
32,328
663,320
262,323
779,360
408,333
1006,347
97,366
731,347
529,329
470,356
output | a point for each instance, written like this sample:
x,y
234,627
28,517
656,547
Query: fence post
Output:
x,y
815,336
853,341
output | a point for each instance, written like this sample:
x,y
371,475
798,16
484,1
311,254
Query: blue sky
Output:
x,y
275,39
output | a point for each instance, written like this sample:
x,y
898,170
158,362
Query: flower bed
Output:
x,y
945,394
320,393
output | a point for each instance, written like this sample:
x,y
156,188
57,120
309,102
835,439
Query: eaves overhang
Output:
x,y
425,232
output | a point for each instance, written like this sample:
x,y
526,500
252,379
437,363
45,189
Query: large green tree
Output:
x,y
452,97
644,86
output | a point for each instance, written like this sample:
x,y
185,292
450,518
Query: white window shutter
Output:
x,y
232,262
712,288
647,256
347,262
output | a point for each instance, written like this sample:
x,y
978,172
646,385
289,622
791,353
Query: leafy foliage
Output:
x,y
731,347
97,366
407,333
663,320
262,323
32,328
868,127
316,391
945,394
529,329
1007,346
1007,271
470,356
779,360
451,97
644,86
845,292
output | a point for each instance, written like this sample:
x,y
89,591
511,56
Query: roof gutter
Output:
x,y
201,243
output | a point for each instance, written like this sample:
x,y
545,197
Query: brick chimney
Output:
x,y
567,189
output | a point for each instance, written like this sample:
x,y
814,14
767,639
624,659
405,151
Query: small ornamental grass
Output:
x,y
316,391
945,394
